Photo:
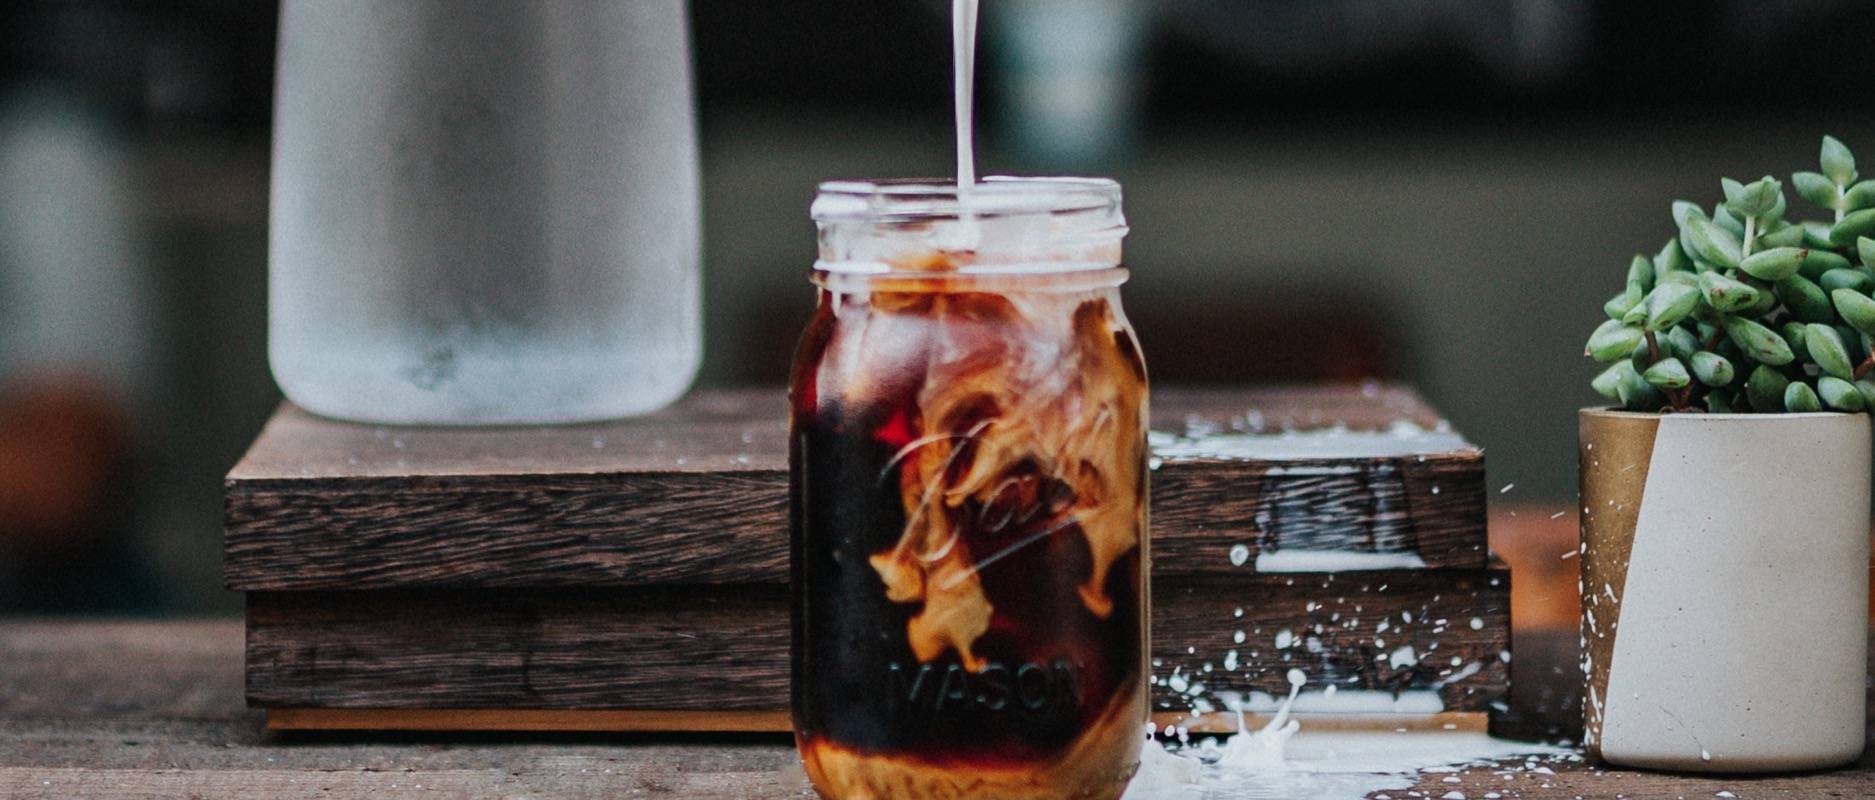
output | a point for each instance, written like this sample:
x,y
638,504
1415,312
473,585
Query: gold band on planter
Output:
x,y
1615,449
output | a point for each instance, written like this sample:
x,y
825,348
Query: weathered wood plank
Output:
x,y
684,649
665,649
141,742
698,495
528,720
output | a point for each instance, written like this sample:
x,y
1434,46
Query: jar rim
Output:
x,y
914,199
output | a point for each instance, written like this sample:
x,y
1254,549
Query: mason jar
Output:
x,y
968,471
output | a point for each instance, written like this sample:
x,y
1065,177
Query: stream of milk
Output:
x,y
964,65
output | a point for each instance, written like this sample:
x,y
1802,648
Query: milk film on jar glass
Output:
x,y
969,495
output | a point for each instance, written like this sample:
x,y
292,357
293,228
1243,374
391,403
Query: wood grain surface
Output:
x,y
697,494
704,649
118,709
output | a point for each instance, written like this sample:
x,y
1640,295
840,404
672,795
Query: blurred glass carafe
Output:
x,y
484,213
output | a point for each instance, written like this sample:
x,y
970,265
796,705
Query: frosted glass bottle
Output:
x,y
484,213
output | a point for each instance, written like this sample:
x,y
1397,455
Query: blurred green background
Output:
x,y
1439,192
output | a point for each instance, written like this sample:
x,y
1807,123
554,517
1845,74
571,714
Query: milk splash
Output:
x,y
1276,762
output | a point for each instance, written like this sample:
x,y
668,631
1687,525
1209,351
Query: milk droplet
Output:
x,y
1239,553
1296,678
1477,623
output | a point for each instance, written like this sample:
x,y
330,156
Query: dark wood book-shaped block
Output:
x,y
633,574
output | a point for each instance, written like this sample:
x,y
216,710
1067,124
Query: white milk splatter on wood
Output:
x,y
1403,438
1279,760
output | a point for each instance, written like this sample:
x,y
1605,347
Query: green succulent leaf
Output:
x,y
1635,393
1755,200
1814,187
1853,340
1817,261
1836,161
1853,225
1839,394
1707,241
1764,389
1641,273
1614,341
1672,258
1827,350
1855,308
1636,315
1785,236
1669,303
1774,264
1859,196
1608,383
1816,235
1680,278
1680,342
1712,369
1792,331
1865,250
1727,221
1684,210
1668,373
1800,398
1856,278
1619,305
1767,296
1726,294
1806,301
1760,343
1867,390
1718,402
1734,192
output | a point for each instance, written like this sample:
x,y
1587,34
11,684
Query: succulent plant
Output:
x,y
1748,309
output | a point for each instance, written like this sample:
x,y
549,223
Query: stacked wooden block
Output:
x,y
633,574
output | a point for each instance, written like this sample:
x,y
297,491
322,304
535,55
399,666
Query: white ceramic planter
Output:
x,y
1725,589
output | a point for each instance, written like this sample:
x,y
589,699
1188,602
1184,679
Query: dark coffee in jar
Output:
x,y
969,496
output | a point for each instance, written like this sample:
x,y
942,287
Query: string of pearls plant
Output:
x,y
1747,310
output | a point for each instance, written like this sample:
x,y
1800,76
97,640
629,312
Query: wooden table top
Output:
x,y
121,709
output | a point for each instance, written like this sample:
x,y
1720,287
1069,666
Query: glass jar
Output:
x,y
969,496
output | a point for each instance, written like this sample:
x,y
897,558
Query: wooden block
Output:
x,y
684,649
525,719
697,494
1443,632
